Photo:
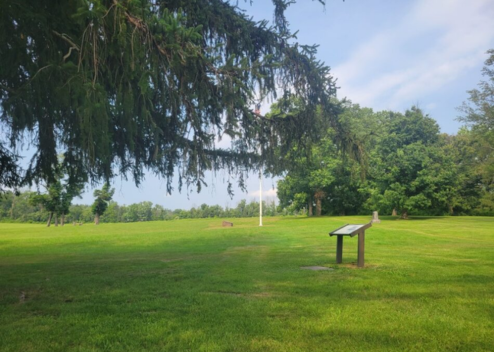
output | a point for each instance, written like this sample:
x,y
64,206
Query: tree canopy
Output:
x,y
409,167
124,86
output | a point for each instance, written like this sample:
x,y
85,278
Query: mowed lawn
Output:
x,y
191,285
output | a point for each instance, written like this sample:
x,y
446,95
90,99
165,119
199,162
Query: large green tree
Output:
x,y
123,86
326,172
412,171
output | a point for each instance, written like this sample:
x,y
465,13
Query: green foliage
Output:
x,y
103,197
9,170
328,172
51,200
120,86
478,114
20,208
58,198
31,207
411,169
406,165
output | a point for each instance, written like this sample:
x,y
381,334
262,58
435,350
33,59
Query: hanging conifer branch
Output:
x,y
152,86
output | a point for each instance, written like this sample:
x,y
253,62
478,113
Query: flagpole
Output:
x,y
260,197
257,111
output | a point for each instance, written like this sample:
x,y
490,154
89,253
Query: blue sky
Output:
x,y
386,54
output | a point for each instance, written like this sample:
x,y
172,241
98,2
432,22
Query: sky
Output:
x,y
385,54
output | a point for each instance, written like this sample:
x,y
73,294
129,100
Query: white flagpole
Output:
x,y
260,197
257,111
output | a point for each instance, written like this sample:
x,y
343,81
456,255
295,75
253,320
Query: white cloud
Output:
x,y
269,193
435,44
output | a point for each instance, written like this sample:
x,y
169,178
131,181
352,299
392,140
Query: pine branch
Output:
x,y
66,38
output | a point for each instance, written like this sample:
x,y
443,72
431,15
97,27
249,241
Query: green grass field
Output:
x,y
428,285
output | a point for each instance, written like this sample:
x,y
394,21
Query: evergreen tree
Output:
x,y
478,114
9,170
125,85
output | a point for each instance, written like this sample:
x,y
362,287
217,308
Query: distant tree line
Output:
x,y
20,208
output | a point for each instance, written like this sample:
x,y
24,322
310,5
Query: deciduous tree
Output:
x,y
103,198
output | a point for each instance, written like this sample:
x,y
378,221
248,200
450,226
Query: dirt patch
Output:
x,y
27,295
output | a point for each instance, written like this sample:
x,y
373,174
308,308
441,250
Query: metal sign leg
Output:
x,y
339,249
361,245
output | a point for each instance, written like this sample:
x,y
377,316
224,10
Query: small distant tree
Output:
x,y
60,193
68,192
103,197
49,201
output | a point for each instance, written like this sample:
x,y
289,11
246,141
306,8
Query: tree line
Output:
x,y
20,208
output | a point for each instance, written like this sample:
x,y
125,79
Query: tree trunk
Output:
x,y
62,220
12,207
56,219
96,219
394,212
318,207
310,207
49,219
451,210
404,214
319,195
